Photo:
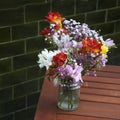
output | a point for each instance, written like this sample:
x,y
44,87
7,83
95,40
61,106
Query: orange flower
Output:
x,y
59,59
91,45
55,17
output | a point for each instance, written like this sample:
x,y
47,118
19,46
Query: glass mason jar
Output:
x,y
69,96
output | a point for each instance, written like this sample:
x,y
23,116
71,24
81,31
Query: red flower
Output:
x,y
91,45
55,17
45,31
52,71
59,59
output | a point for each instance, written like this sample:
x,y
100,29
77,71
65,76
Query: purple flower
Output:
x,y
79,45
71,71
76,75
61,70
68,70
109,42
103,60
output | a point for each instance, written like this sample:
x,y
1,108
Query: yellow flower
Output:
x,y
104,49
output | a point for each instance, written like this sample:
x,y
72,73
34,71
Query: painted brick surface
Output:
x,y
85,5
64,7
20,42
103,4
12,78
5,65
11,48
113,14
6,94
11,17
36,11
24,31
4,34
95,17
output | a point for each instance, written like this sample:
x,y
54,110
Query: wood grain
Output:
x,y
99,98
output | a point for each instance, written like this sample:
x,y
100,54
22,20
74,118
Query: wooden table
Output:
x,y
99,98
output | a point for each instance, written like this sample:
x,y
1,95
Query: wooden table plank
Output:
x,y
95,109
101,79
103,92
99,100
111,68
46,108
80,117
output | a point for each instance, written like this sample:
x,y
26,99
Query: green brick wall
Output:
x,y
20,42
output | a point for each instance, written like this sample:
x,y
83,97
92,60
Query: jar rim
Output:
x,y
71,86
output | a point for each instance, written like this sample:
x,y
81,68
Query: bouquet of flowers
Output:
x,y
77,50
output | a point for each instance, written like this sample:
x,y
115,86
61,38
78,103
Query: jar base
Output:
x,y
66,108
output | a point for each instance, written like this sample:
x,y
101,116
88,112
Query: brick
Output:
x,y
103,4
4,34
115,37
27,114
32,99
16,3
117,26
113,14
12,106
7,117
34,1
114,61
41,82
118,2
36,11
8,4
105,28
92,27
95,17
5,65
25,60
79,17
85,5
114,52
43,24
26,88
11,49
114,56
12,78
24,31
11,17
5,95
63,6
36,44
35,72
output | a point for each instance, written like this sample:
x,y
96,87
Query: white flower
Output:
x,y
45,58
66,22
61,40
